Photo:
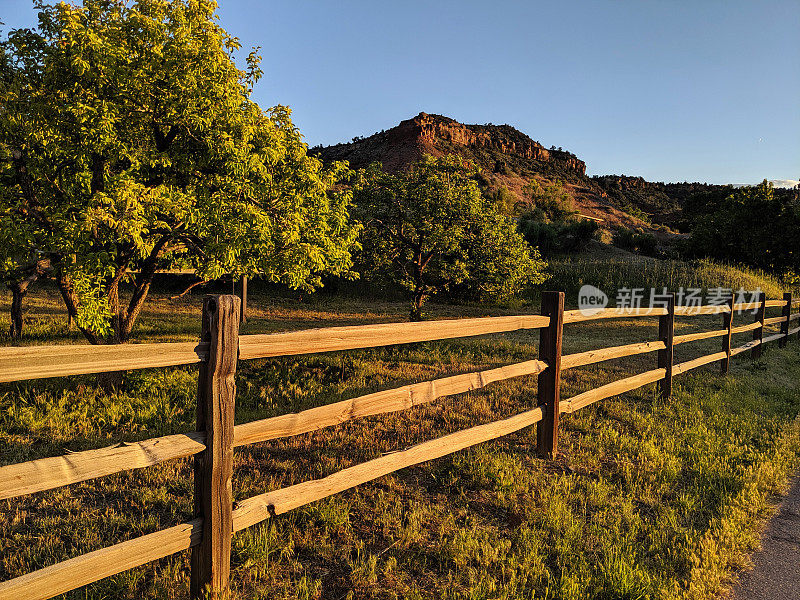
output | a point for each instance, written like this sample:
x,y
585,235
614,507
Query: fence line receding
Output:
x,y
216,517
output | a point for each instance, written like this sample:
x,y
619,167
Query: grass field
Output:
x,y
649,499
611,271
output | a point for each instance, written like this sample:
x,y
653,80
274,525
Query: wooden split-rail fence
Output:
x,y
217,518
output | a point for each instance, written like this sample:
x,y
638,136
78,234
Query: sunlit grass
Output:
x,y
611,273
648,499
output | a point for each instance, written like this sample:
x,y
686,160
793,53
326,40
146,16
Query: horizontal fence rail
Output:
x,y
48,473
591,357
580,316
312,341
701,335
94,566
377,403
258,508
217,517
39,362
611,389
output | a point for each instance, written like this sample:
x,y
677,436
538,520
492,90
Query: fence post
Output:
x,y
666,333
786,313
758,333
727,323
213,468
549,380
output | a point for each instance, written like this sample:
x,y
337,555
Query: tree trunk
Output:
x,y
19,289
141,288
18,292
417,301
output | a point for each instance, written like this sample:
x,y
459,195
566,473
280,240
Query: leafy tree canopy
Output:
x,y
549,203
431,231
752,225
129,144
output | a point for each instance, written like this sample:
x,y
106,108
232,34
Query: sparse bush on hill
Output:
x,y
547,203
548,220
505,200
431,231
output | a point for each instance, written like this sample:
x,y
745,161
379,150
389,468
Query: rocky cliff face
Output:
x,y
508,159
437,135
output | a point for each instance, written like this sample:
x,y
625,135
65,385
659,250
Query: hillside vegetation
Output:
x,y
508,159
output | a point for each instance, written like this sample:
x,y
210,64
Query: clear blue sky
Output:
x,y
703,90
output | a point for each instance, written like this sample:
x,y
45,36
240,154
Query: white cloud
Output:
x,y
784,183
778,183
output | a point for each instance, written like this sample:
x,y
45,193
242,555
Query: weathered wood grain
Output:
x,y
786,313
700,335
614,388
758,333
691,311
93,566
688,365
590,357
377,403
213,468
727,323
329,339
48,473
743,306
774,320
772,338
39,362
746,327
548,388
774,303
744,347
577,316
666,333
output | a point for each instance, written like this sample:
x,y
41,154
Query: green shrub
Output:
x,y
553,238
636,241
754,225
549,203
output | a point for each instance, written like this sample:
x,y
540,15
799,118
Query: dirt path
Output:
x,y
776,567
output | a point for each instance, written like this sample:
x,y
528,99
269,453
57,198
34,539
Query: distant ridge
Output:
x,y
507,158
436,135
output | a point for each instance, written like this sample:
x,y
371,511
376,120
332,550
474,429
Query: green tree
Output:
x,y
751,225
549,203
129,144
431,231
